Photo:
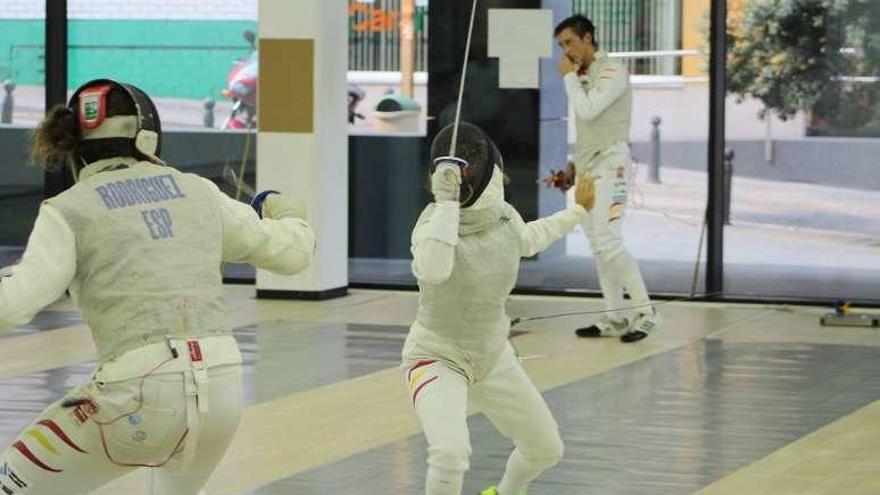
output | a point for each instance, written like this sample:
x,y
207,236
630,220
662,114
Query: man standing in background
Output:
x,y
599,91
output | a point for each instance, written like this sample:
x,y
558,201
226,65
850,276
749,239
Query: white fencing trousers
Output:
x,y
63,452
509,400
616,268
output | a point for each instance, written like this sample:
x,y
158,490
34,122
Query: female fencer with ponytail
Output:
x,y
138,245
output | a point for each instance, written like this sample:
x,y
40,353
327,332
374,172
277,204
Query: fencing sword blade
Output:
x,y
467,51
231,178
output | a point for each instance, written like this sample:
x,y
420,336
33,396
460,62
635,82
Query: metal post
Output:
x,y
407,46
768,138
728,183
655,150
718,91
8,102
208,118
56,82
56,53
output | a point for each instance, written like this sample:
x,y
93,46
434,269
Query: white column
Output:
x,y
302,144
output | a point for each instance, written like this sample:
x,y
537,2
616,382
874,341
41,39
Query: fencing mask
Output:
x,y
476,154
104,126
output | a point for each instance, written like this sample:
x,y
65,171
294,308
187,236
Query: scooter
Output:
x,y
241,89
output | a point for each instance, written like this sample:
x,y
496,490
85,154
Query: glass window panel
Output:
x,y
22,105
804,211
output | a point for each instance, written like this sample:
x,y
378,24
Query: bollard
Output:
x,y
208,118
8,102
728,183
655,150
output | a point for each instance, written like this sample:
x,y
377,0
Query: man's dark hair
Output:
x,y
580,25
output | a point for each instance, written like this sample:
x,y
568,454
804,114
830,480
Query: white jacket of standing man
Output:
x,y
601,97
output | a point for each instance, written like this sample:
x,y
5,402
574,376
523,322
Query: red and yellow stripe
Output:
x,y
416,375
51,425
38,436
26,452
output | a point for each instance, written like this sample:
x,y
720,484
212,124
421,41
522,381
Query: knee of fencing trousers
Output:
x,y
606,246
451,453
545,452
541,445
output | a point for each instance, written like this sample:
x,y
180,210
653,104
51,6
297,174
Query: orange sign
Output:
x,y
376,20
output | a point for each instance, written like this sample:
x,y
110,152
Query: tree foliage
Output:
x,y
792,54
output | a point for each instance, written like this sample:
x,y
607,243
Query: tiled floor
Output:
x,y
728,399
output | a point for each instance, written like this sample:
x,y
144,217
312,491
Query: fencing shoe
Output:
x,y
643,325
605,327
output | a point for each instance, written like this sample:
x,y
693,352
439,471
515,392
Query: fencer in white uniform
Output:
x,y
139,246
466,250
598,89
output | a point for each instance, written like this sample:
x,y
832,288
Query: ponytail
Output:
x,y
55,140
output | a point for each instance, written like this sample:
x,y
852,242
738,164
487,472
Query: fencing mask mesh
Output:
x,y
476,154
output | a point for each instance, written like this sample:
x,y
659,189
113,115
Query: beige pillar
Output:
x,y
302,144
